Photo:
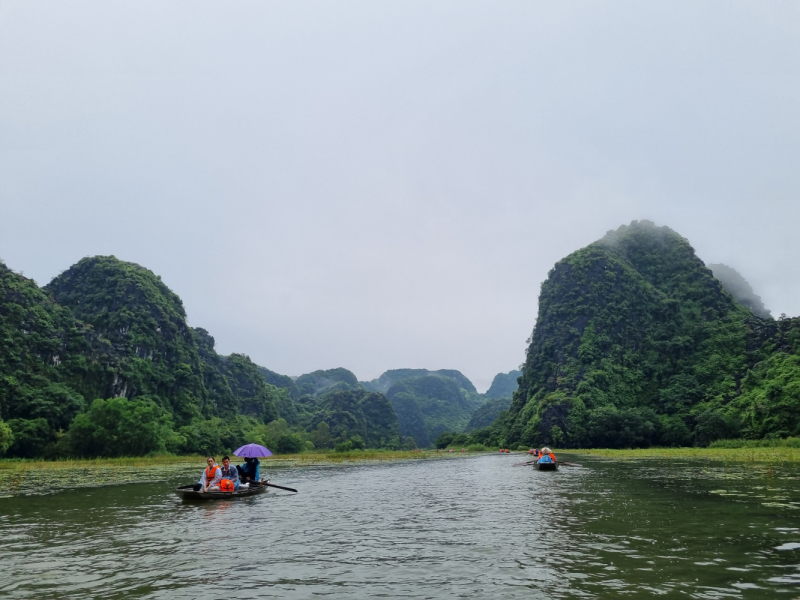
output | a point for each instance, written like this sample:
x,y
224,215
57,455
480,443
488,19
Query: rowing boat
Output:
x,y
546,466
187,492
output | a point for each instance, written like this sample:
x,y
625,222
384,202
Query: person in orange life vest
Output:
x,y
547,456
230,473
212,475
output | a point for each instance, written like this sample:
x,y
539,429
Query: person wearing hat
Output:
x,y
547,456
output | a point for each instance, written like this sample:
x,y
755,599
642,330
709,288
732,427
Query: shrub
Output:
x,y
477,448
31,437
120,427
289,443
6,438
711,426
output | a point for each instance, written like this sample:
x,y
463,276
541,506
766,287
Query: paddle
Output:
x,y
523,463
280,487
566,464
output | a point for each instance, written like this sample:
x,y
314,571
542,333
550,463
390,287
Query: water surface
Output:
x,y
466,528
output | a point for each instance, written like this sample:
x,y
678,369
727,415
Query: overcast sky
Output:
x,y
378,185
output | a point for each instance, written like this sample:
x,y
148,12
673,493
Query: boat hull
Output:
x,y
187,493
552,466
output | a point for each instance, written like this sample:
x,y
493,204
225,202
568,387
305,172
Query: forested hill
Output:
x,y
428,402
102,362
388,378
637,343
504,385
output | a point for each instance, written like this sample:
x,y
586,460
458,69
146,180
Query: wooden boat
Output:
x,y
187,492
547,466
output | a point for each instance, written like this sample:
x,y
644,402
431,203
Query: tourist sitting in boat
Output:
x,y
547,456
248,472
212,475
229,481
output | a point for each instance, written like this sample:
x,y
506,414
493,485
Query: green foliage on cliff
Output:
x,y
102,362
388,378
145,324
349,413
485,414
280,381
503,385
428,405
320,382
637,343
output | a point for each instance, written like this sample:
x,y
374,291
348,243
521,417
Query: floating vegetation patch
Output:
x,y
774,454
18,477
36,478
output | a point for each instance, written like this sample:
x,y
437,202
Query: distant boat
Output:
x,y
187,492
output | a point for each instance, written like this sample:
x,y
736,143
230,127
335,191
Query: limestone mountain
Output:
x,y
385,381
636,342
106,345
428,405
503,385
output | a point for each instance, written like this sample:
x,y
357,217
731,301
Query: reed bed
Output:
x,y
19,476
773,454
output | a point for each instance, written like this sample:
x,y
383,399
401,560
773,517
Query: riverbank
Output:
x,y
774,454
19,476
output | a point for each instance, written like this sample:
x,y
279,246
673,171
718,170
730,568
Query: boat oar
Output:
x,y
566,464
523,463
280,487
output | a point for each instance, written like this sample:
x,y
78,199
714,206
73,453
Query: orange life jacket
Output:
x,y
552,456
210,473
226,485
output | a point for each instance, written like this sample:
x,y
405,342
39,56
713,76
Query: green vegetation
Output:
x,y
487,413
320,382
504,385
638,344
101,362
428,405
770,454
30,476
387,379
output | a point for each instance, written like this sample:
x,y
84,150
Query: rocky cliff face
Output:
x,y
634,334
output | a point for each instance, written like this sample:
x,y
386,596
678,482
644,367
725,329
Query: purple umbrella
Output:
x,y
252,451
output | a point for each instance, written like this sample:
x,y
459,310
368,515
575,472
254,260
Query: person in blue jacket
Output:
x,y
248,472
547,456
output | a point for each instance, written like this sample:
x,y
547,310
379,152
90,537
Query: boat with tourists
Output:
x,y
188,492
230,482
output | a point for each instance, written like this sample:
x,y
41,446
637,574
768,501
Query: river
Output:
x,y
461,528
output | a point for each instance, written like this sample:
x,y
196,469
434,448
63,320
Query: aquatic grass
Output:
x,y
789,442
764,454
24,476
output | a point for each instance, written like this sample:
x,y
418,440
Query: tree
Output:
x,y
120,427
32,437
6,438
